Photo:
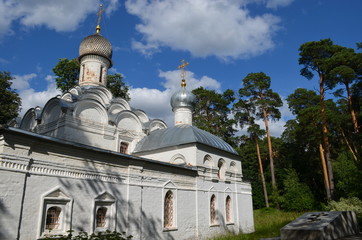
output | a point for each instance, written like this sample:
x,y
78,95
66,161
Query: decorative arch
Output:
x,y
122,102
156,124
52,111
178,159
142,115
221,169
208,161
91,110
233,168
99,93
67,97
31,119
128,120
76,91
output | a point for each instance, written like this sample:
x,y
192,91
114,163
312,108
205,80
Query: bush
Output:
x,y
347,204
297,196
107,235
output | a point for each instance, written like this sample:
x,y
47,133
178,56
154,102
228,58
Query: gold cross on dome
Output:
x,y
99,14
183,72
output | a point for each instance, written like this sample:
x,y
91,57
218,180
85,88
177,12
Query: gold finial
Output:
x,y
99,14
183,72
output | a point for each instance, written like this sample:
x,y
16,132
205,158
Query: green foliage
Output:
x,y
347,176
10,101
107,235
268,222
67,77
67,74
297,196
211,113
117,87
256,90
347,204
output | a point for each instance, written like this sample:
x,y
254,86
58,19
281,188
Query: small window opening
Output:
x,y
213,210
101,75
228,209
101,217
83,70
123,147
52,221
168,210
221,171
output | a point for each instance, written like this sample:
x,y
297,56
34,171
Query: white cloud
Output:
x,y
278,3
156,103
224,29
21,82
30,97
65,15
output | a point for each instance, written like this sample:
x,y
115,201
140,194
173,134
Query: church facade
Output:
x,y
88,161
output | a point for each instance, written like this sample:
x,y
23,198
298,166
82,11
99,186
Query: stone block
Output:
x,y
321,226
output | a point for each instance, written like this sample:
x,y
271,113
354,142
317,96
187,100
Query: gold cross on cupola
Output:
x,y
99,14
183,72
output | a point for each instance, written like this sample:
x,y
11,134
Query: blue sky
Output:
x,y
223,40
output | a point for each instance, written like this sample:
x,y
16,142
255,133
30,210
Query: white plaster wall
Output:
x,y
137,185
188,151
183,116
11,186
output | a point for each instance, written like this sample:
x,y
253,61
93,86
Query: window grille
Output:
x,y
101,217
168,210
213,209
228,209
52,220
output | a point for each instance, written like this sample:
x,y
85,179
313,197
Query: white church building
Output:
x,y
88,161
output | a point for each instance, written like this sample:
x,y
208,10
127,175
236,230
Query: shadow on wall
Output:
x,y
130,216
4,216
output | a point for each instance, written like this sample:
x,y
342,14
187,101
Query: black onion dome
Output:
x,y
96,45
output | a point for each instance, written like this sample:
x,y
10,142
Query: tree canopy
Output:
x,y
211,113
67,77
67,74
256,91
10,101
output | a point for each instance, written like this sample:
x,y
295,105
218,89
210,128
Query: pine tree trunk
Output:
x,y
325,137
353,114
262,173
325,174
270,148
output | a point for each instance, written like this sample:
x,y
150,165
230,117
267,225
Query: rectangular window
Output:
x,y
101,75
123,147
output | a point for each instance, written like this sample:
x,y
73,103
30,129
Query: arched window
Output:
x,y
53,218
213,209
221,166
228,209
101,217
208,161
168,210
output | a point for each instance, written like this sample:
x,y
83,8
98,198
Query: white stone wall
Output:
x,y
32,168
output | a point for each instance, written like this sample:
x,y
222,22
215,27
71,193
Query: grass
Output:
x,y
267,222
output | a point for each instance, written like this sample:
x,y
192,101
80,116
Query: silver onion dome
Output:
x,y
183,98
96,45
